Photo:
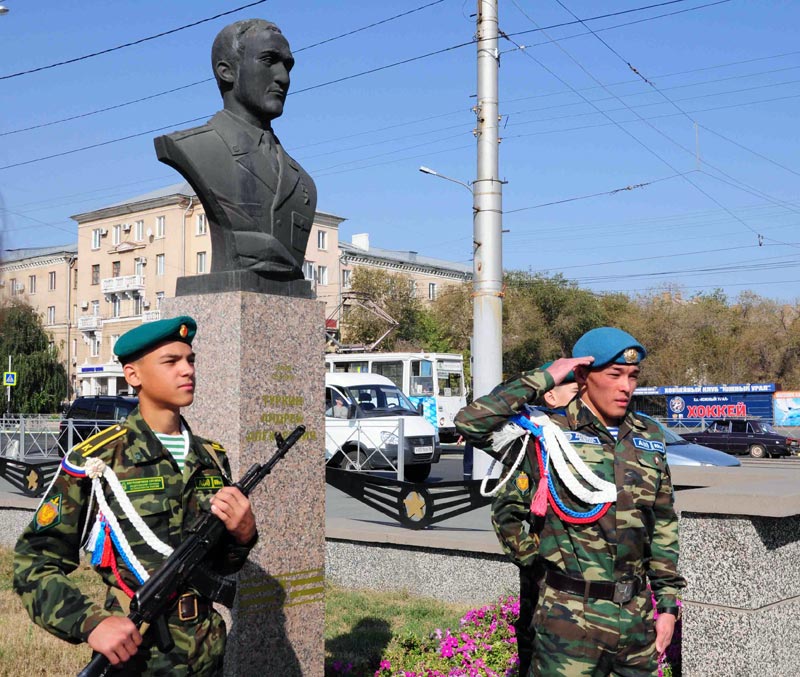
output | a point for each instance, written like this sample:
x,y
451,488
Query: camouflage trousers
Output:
x,y
595,638
199,650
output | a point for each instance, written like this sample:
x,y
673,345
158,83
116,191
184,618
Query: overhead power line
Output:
x,y
129,44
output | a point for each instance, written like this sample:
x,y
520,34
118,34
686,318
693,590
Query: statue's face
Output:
x,y
262,74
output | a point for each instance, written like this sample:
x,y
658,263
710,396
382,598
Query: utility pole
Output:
x,y
487,191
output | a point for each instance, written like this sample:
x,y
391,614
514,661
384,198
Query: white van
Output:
x,y
364,417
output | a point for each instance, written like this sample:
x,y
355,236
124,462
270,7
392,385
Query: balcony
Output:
x,y
128,285
151,316
89,323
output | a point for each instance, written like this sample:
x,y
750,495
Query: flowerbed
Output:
x,y
484,645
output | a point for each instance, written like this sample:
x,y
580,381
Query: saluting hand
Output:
x,y
233,508
563,365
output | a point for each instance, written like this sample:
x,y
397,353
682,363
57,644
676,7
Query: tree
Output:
x,y
41,378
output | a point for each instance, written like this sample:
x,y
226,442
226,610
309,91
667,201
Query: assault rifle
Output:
x,y
185,567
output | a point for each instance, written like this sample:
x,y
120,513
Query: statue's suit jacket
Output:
x,y
261,200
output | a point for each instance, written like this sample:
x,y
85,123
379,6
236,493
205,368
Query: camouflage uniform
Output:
x,y
168,501
578,634
517,530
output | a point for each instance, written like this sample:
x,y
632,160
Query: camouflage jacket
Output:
x,y
512,517
167,500
639,533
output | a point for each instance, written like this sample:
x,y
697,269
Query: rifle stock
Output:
x,y
155,596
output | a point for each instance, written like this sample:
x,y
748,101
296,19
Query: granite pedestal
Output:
x,y
260,370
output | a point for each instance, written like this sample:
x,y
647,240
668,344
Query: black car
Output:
x,y
744,436
88,415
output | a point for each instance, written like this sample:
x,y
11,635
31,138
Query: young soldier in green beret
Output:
x,y
127,494
516,528
604,493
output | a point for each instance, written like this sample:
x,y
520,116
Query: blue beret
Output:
x,y
609,345
150,334
569,378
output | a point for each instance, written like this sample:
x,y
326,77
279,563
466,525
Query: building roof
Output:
x,y
11,255
182,188
410,258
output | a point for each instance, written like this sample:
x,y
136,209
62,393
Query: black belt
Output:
x,y
191,606
620,592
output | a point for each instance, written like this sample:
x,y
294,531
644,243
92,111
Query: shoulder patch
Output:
x,y
49,514
95,442
648,445
218,447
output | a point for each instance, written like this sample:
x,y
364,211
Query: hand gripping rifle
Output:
x,y
185,567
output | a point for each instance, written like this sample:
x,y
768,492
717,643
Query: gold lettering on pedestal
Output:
x,y
286,421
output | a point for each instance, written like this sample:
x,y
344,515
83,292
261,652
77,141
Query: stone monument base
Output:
x,y
260,370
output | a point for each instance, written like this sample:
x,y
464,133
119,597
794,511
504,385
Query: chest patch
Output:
x,y
648,445
139,485
209,482
580,438
523,482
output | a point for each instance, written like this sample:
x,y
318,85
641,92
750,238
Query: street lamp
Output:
x,y
433,172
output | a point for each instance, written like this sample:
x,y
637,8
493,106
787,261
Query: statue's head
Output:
x,y
251,61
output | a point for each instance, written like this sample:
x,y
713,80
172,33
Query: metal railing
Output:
x,y
23,437
364,445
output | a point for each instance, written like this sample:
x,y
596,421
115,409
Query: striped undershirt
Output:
x,y
614,430
177,445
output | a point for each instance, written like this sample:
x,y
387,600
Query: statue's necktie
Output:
x,y
270,150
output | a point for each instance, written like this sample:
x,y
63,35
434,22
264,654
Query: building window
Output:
x,y
138,266
322,274
75,349
74,278
13,284
202,225
32,284
96,273
95,345
115,268
308,270
96,238
413,288
138,231
95,308
51,314
160,227
116,306
322,240
431,290
159,264
116,234
137,305
159,299
201,262
114,339
51,280
346,278
74,313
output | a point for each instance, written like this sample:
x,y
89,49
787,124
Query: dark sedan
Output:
x,y
744,436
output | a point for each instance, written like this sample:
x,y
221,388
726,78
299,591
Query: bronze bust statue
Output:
x,y
259,202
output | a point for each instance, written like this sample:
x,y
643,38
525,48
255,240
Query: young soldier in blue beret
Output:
x,y
604,493
517,528
127,494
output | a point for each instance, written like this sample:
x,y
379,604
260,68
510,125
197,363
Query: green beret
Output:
x,y
609,345
569,378
139,340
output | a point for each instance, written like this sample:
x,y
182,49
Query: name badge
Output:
x,y
580,438
141,484
648,445
209,482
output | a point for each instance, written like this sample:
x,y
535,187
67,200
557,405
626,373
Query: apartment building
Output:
x,y
129,256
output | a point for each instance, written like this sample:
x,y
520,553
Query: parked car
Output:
x,y
683,452
364,432
90,414
744,436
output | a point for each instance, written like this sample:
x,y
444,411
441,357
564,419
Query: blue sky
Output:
x,y
708,123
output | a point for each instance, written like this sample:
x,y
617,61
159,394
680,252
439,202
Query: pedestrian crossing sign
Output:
x,y
9,378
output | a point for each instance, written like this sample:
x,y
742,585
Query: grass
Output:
x,y
358,626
